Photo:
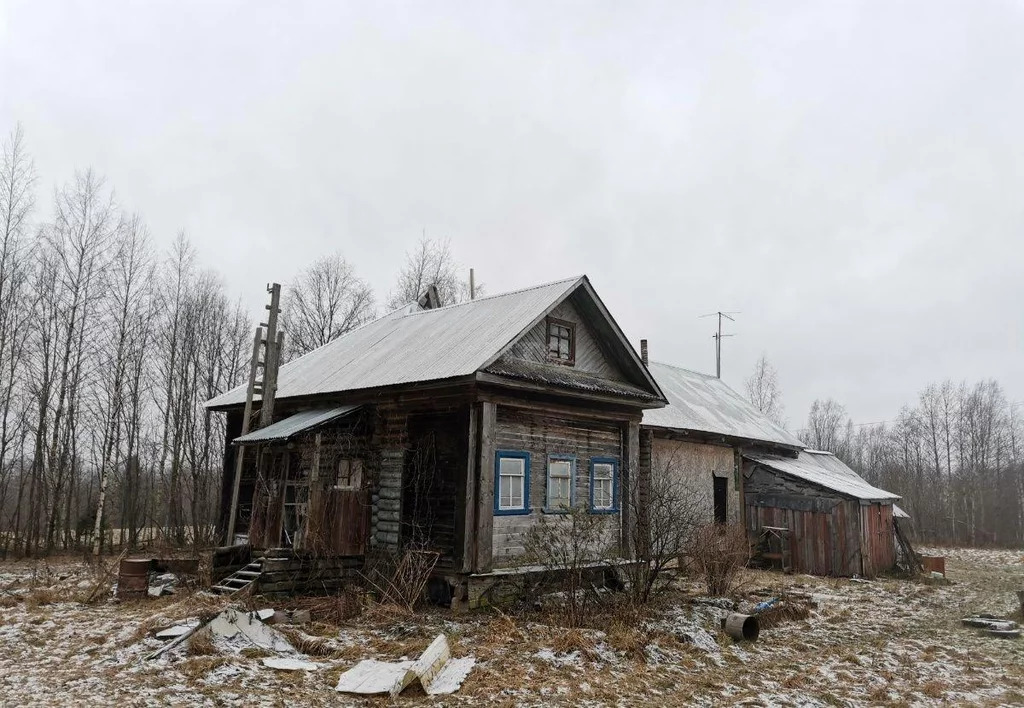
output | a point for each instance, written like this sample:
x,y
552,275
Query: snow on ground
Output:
x,y
882,642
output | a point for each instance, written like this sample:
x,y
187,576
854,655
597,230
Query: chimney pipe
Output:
x,y
472,285
643,351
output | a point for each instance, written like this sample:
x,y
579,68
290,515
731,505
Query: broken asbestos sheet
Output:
x,y
436,671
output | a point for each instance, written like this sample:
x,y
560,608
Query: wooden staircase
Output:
x,y
241,579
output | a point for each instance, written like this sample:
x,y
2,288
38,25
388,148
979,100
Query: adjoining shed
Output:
x,y
834,522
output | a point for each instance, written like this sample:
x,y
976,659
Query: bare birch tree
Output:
x,y
763,390
323,302
430,263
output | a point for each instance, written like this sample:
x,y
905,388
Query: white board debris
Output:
x,y
175,631
232,624
284,663
436,671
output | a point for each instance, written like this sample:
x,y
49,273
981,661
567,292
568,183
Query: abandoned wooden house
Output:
x,y
809,511
449,428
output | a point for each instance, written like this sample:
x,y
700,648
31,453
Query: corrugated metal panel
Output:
x,y
292,425
564,376
407,347
703,403
826,470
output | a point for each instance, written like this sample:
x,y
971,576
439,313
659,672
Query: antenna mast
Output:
x,y
717,336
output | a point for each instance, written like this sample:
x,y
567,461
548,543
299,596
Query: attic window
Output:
x,y
561,341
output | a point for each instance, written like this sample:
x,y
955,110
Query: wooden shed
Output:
x,y
832,520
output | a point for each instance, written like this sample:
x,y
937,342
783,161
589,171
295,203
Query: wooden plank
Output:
x,y
465,533
630,471
485,479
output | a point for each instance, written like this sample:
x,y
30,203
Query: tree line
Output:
x,y
954,455
109,346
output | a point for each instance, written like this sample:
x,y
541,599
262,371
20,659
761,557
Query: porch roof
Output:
x,y
295,424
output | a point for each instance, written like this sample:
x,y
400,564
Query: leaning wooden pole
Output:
x,y
240,454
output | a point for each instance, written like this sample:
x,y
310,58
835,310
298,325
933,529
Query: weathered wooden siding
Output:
x,y
590,357
879,538
542,435
825,537
693,465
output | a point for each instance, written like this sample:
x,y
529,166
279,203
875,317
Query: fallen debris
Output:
x,y
994,626
176,631
284,663
436,671
246,626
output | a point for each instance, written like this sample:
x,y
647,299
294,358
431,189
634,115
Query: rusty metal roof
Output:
x,y
705,404
295,424
826,470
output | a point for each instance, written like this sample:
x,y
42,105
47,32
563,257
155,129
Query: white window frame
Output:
x,y
608,469
550,505
523,459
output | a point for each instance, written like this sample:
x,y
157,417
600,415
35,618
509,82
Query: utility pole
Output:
x,y
265,387
717,336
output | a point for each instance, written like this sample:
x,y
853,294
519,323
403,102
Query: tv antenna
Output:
x,y
717,336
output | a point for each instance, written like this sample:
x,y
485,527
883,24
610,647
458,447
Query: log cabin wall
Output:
x,y
825,527
542,435
694,466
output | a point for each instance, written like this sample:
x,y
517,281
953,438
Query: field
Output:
x,y
883,642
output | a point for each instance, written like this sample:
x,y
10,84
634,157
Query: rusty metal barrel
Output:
x,y
133,578
742,627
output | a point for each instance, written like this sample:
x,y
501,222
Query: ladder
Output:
x,y
241,579
262,383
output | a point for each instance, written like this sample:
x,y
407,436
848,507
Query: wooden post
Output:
x,y
466,510
240,453
631,468
272,358
485,496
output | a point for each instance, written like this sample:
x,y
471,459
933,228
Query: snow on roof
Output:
x,y
825,470
295,424
899,513
704,403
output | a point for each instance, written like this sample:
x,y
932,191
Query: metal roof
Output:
x,y
295,424
408,346
899,513
565,376
704,403
826,470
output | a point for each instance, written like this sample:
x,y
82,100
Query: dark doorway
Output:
x,y
435,463
721,499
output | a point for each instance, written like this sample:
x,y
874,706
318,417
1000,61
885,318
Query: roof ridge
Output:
x,y
495,296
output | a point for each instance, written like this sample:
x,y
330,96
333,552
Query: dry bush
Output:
x,y
718,552
201,643
9,600
566,546
400,578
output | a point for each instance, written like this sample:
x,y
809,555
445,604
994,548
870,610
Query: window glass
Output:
x,y
511,480
603,492
559,484
560,341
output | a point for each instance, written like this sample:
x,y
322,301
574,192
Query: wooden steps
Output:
x,y
241,579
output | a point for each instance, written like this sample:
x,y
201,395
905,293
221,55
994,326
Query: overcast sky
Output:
x,y
850,176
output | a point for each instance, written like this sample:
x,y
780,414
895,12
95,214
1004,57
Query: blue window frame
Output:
x,y
511,482
560,493
604,485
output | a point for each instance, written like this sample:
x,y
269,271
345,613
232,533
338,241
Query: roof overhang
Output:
x,y
301,422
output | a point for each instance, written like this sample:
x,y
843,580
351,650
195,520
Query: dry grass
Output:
x,y
782,612
201,643
40,597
